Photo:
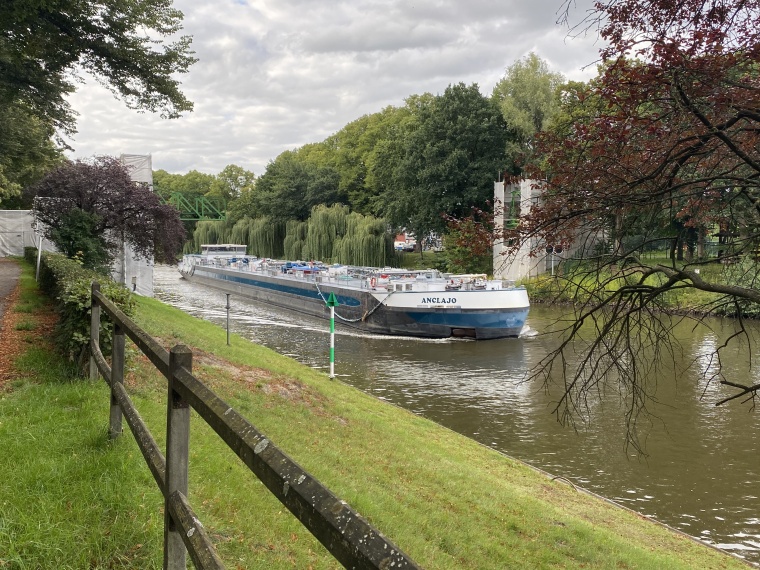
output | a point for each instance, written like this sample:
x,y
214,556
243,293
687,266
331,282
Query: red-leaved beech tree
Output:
x,y
663,147
89,208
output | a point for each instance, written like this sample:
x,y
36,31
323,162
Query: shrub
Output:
x,y
70,285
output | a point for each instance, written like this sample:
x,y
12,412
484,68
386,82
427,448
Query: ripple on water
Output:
x,y
701,471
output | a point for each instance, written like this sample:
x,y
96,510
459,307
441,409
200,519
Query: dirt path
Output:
x,y
9,274
9,345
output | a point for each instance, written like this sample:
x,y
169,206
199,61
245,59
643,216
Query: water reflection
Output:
x,y
702,472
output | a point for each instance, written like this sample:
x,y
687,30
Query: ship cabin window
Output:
x,y
223,249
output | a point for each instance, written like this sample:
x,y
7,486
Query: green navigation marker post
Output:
x,y
332,302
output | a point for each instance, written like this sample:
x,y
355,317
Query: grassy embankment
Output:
x,y
69,498
568,289
569,286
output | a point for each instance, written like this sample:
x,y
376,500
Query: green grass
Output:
x,y
70,498
425,260
572,284
25,326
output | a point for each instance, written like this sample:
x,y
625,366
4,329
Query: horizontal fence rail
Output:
x,y
344,533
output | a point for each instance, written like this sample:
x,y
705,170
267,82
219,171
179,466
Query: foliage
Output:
x,y
324,227
70,285
468,244
208,232
26,151
357,153
192,185
76,237
263,237
666,137
100,194
242,206
120,42
424,260
295,238
528,96
448,162
387,153
331,234
291,186
366,242
230,182
336,235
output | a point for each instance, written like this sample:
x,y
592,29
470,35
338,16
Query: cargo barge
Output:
x,y
390,301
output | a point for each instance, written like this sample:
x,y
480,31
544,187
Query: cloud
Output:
x,y
274,75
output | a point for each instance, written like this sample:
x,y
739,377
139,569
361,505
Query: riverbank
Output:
x,y
572,286
450,503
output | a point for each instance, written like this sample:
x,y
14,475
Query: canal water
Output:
x,y
701,472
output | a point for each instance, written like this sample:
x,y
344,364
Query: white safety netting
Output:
x,y
136,274
17,232
140,167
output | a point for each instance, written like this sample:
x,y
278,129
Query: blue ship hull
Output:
x,y
361,310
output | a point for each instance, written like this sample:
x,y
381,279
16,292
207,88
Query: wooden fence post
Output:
x,y
177,456
117,377
94,329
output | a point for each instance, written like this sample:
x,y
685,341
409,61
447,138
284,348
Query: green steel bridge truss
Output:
x,y
197,209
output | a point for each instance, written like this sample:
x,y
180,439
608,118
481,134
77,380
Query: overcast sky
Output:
x,y
273,75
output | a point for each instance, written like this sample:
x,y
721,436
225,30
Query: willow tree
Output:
x,y
207,232
336,235
295,238
325,226
366,242
263,237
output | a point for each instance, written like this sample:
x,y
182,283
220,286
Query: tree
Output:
x,y
469,241
26,152
382,141
93,207
77,238
120,42
230,182
528,96
449,160
673,135
291,186
352,153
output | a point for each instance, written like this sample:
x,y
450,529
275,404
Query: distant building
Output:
x,y
511,201
534,257
404,242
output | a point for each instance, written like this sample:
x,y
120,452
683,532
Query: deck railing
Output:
x,y
344,533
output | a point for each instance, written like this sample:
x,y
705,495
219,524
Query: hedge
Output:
x,y
69,285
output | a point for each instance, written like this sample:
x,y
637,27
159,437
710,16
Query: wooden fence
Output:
x,y
343,532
